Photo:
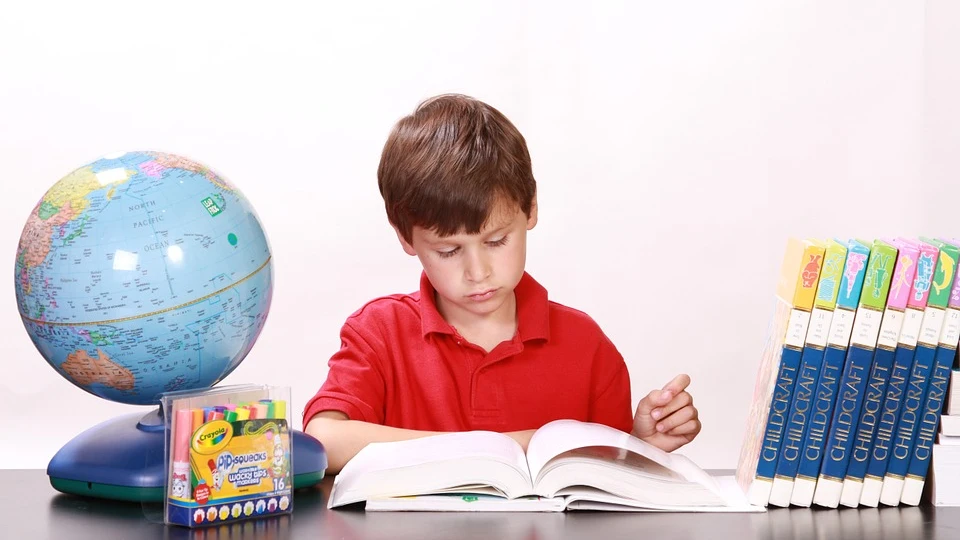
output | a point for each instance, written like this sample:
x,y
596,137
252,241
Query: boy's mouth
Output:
x,y
482,296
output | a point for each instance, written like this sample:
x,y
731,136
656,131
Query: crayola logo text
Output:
x,y
207,436
212,437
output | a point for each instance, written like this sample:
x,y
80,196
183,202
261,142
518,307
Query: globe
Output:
x,y
142,273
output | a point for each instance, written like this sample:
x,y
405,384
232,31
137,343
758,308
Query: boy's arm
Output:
x,y
342,438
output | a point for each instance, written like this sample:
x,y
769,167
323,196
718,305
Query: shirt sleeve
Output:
x,y
355,383
610,403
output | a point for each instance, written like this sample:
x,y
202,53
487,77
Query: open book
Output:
x,y
568,465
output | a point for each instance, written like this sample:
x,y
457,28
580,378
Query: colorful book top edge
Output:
x,y
811,263
942,283
854,269
876,282
903,274
954,301
795,259
830,275
926,264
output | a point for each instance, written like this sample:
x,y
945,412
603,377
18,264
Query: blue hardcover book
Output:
x,y
815,435
933,402
899,375
930,418
903,275
924,356
863,340
824,305
796,289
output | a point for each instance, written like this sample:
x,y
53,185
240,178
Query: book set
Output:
x,y
855,373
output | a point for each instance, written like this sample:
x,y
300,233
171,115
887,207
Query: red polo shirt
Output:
x,y
401,364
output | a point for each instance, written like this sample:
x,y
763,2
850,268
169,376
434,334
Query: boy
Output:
x,y
479,346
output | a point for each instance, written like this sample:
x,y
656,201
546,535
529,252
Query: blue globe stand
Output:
x,y
123,459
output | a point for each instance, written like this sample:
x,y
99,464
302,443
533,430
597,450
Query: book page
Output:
x,y
593,499
447,446
562,436
465,502
432,464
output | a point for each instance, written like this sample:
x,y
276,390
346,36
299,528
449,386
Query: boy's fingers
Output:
x,y
649,402
682,400
678,384
676,419
690,427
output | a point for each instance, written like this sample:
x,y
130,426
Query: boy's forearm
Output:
x,y
343,439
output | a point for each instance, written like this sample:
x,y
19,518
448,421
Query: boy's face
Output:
x,y
475,274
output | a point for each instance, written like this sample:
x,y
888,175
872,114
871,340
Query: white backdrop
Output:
x,y
676,145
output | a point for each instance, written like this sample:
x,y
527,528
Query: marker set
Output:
x,y
229,455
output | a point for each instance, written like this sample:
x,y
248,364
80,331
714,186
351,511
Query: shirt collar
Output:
x,y
533,310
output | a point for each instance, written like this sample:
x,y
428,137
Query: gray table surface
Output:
x,y
30,508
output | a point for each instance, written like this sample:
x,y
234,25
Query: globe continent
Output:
x,y
143,273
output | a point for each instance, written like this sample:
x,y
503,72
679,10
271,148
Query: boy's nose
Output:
x,y
477,269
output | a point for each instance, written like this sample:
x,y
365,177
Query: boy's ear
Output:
x,y
532,219
407,247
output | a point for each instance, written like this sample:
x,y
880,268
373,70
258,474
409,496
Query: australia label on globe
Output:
x,y
143,273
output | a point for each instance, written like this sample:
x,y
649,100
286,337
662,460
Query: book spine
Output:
x,y
866,329
838,339
899,375
924,356
893,315
929,422
758,492
808,374
933,402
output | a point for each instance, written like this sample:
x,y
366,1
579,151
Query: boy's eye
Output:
x,y
448,253
498,242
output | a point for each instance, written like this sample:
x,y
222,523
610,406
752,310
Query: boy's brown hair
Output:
x,y
445,166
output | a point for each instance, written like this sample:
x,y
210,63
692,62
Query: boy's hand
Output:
x,y
522,437
667,418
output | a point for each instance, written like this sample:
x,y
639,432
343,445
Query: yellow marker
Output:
x,y
280,409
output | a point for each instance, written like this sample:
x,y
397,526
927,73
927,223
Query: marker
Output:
x,y
261,410
280,409
197,420
271,409
243,413
230,416
197,415
180,482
